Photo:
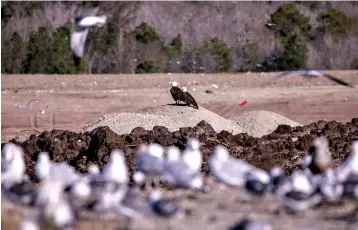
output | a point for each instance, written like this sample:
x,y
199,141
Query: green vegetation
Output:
x,y
148,66
251,50
175,48
11,54
294,55
287,21
39,52
146,34
50,53
101,39
335,22
292,28
222,53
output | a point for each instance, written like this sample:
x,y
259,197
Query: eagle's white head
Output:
x,y
175,84
184,89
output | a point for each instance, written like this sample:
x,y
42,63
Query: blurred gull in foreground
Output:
x,y
45,169
298,193
12,164
228,170
149,164
192,155
55,209
247,224
180,174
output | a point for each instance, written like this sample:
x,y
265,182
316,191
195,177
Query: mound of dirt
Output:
x,y
284,147
259,123
171,116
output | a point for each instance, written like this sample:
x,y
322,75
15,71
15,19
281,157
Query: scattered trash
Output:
x,y
215,86
243,103
193,89
169,73
208,91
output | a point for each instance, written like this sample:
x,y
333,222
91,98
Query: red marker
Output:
x,y
243,103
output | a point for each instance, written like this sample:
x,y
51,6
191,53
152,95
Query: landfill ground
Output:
x,y
74,101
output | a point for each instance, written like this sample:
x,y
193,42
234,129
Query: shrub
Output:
x,y
335,22
148,66
12,54
39,52
251,51
174,49
102,39
61,58
287,20
145,33
222,53
294,55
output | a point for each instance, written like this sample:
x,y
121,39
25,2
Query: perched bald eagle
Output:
x,y
177,93
188,99
79,34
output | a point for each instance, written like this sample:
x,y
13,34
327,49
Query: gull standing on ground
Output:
x,y
109,188
54,207
12,164
349,167
116,169
314,73
192,155
179,174
80,32
320,159
164,206
248,224
298,193
226,169
149,162
45,169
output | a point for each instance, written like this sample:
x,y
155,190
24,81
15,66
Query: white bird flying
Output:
x,y
314,73
79,34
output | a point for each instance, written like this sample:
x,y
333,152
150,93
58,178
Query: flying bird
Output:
x,y
314,73
189,99
80,32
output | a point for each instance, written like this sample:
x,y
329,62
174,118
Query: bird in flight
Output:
x,y
79,34
314,73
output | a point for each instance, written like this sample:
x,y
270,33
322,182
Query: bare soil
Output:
x,y
76,100
129,93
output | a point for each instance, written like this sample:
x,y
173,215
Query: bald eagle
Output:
x,y
177,93
188,99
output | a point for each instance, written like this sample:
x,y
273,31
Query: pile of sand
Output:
x,y
255,123
259,123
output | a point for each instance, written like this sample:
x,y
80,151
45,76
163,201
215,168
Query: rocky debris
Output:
x,y
284,147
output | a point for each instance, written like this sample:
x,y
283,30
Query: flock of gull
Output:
x,y
63,195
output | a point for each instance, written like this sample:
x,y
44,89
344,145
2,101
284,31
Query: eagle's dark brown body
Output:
x,y
177,94
189,100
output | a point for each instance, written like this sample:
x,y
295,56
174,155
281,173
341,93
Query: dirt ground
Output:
x,y
76,100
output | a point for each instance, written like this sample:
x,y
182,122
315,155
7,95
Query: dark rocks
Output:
x,y
282,147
